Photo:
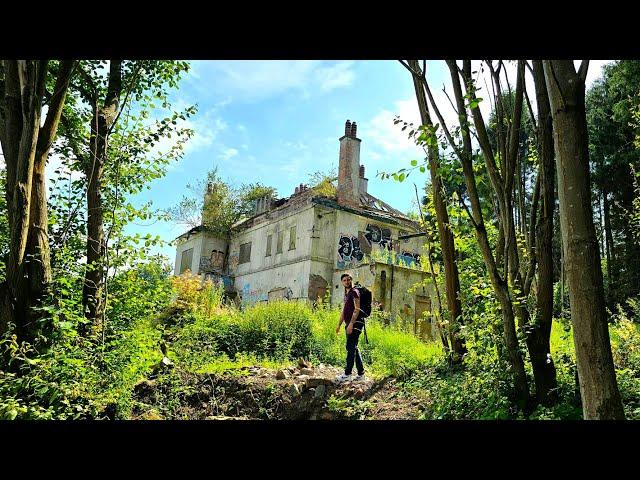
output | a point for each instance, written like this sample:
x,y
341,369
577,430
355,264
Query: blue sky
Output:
x,y
276,122
279,121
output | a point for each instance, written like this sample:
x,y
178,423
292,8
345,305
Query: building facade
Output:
x,y
297,248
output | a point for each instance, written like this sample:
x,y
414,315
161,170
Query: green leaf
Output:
x,y
414,163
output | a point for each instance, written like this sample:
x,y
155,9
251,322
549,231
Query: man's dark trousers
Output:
x,y
353,353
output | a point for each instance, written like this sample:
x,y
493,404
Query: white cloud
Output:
x,y
338,75
227,154
296,145
386,140
259,79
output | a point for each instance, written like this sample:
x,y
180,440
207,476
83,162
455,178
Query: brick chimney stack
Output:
x,y
362,181
349,166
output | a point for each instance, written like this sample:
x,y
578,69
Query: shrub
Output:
x,y
277,331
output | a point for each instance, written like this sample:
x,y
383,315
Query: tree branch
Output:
x,y
582,72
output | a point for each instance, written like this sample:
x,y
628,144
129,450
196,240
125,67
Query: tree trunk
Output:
x,y
39,261
452,279
24,89
612,273
544,369
598,387
103,117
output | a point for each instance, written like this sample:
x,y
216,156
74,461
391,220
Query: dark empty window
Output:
x,y
185,260
245,253
269,238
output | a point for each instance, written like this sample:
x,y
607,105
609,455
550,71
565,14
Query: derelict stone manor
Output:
x,y
297,247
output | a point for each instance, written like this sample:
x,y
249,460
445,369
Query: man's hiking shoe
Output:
x,y
343,378
360,378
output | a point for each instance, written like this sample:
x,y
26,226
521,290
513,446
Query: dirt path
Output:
x,y
302,392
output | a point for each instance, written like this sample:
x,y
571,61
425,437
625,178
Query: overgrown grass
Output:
x,y
284,331
81,377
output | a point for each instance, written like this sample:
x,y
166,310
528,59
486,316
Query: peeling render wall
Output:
x,y
279,275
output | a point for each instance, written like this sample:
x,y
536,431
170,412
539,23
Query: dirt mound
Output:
x,y
305,392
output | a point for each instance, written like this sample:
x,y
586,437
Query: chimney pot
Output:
x,y
347,128
361,171
354,129
297,190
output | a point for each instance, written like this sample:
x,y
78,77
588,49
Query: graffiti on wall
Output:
x,y
349,251
213,263
381,236
234,257
250,295
410,258
218,279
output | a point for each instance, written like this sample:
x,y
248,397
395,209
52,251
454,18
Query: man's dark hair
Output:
x,y
345,275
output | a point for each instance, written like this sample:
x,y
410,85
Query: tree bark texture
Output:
x,y
598,387
540,332
101,123
26,146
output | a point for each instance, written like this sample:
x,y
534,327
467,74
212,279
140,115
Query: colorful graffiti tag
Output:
x,y
410,258
249,296
233,260
217,279
214,263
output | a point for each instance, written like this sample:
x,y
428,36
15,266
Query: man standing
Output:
x,y
351,316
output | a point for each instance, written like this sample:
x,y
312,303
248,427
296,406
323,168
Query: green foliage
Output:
x,y
324,183
217,204
278,331
612,105
349,408
71,376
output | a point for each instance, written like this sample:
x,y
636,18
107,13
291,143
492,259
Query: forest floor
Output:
x,y
301,392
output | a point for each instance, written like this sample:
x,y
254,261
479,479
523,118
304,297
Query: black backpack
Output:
x,y
365,306
365,300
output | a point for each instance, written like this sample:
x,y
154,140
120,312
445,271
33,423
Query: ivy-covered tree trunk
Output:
x,y
598,387
538,335
103,118
452,279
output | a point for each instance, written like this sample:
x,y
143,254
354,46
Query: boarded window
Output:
x,y
245,253
292,238
279,243
269,238
185,260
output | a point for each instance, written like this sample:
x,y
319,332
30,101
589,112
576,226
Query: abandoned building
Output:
x,y
297,248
